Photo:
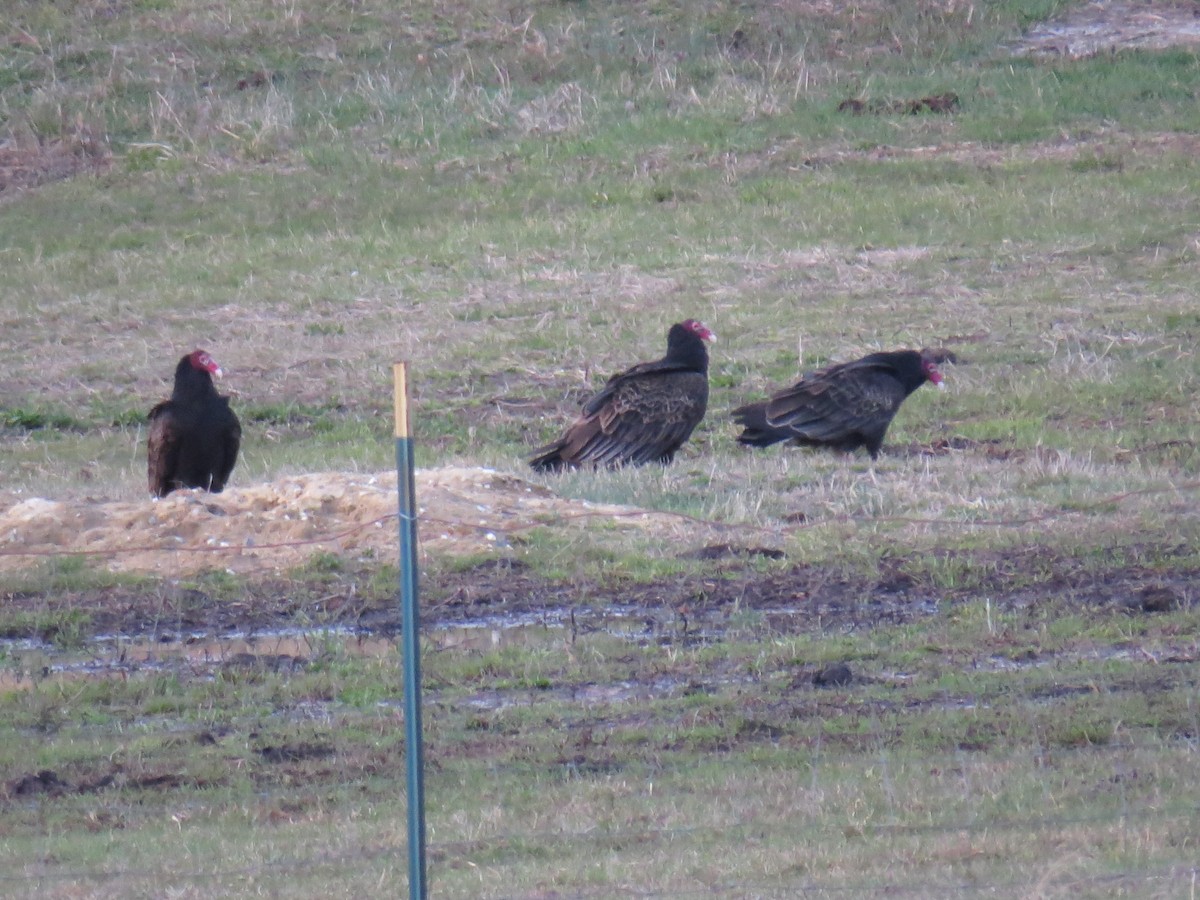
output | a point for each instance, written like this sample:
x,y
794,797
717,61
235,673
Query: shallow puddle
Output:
x,y
24,664
28,663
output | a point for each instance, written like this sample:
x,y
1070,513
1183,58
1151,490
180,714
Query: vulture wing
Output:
x,y
226,441
843,406
163,450
643,415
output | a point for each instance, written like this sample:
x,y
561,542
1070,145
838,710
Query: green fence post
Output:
x,y
411,646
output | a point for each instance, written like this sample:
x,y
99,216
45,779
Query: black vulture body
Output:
x,y
195,436
842,407
642,415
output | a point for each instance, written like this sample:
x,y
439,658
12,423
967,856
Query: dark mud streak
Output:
x,y
803,599
285,760
49,783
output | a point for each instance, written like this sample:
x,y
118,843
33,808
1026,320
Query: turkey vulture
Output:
x,y
642,415
194,436
844,406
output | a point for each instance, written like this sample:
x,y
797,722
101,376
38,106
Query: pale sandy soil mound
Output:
x,y
276,526
1104,26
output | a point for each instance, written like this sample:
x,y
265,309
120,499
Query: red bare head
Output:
x,y
929,367
205,363
698,328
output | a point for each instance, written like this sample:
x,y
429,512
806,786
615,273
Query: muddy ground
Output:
x,y
735,594
318,553
282,626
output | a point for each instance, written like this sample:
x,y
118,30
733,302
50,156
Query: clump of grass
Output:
x,y
63,627
68,573
36,419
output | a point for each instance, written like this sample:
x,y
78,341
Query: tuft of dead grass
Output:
x,y
28,160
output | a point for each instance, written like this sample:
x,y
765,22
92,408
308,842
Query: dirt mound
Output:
x,y
279,525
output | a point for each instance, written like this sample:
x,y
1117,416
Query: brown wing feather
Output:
x,y
837,405
231,444
162,452
641,419
843,406
649,418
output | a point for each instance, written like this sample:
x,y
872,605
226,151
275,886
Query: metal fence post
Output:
x,y
410,621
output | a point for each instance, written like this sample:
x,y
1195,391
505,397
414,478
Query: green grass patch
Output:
x,y
520,202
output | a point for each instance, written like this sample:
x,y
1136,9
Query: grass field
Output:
x,y
520,200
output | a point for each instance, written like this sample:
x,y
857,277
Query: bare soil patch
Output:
x,y
1106,26
267,532
1066,149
